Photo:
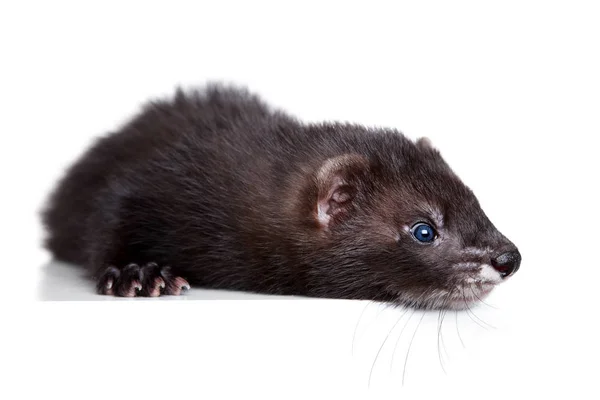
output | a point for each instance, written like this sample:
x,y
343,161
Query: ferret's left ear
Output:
x,y
338,182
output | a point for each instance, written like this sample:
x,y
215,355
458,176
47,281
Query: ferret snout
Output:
x,y
507,263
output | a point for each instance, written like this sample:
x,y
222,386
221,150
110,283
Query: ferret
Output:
x,y
213,187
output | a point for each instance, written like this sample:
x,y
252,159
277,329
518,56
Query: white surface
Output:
x,y
508,91
340,348
62,281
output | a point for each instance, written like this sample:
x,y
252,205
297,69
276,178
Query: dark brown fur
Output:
x,y
224,190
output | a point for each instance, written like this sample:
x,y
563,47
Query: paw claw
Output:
x,y
106,281
149,280
157,287
134,290
108,288
178,286
182,283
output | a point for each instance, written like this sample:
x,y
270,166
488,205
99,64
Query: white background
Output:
x,y
508,91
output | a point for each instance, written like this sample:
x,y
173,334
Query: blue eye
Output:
x,y
423,232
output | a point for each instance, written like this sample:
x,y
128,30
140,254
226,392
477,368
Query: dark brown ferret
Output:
x,y
215,188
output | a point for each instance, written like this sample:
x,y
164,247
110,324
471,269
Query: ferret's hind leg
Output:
x,y
149,280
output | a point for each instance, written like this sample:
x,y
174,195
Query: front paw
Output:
x,y
133,280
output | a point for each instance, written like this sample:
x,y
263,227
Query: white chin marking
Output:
x,y
489,274
472,290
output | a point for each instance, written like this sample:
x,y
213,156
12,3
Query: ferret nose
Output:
x,y
507,263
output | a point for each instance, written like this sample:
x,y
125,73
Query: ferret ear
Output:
x,y
338,182
425,143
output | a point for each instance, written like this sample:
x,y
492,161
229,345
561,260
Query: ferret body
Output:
x,y
216,189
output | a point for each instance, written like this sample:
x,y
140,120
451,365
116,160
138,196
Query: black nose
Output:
x,y
507,263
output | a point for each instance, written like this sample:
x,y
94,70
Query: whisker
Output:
x,y
357,323
399,336
438,342
486,323
441,317
442,333
468,310
475,315
457,332
480,300
381,347
409,346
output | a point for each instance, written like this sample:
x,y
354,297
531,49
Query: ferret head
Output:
x,y
399,221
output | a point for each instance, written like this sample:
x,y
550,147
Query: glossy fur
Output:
x,y
226,192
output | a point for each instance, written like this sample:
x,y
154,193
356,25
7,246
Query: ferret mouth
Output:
x,y
468,296
462,297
